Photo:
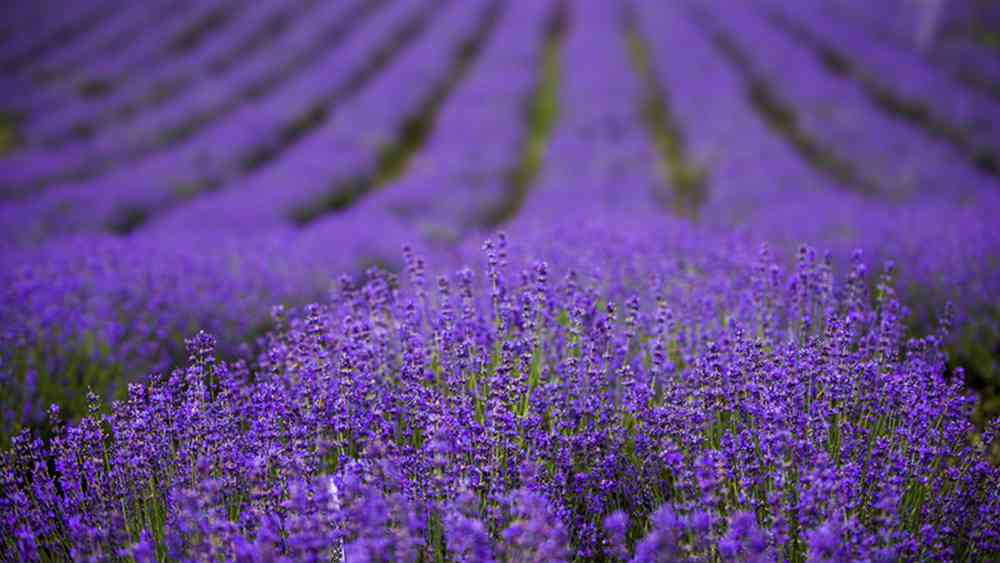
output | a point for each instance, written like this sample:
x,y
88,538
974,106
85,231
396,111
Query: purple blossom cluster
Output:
x,y
257,303
90,311
548,414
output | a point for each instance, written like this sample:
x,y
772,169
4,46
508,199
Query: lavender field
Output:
x,y
500,280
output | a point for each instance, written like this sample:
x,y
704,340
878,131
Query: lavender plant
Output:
x,y
552,413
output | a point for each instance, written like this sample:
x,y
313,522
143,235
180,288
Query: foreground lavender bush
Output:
x,y
645,407
94,312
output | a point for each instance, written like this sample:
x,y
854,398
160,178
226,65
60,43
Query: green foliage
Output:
x,y
542,112
686,178
976,350
46,374
8,132
96,88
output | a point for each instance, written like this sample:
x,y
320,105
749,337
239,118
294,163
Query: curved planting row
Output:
x,y
145,53
156,84
36,28
461,176
904,83
952,42
124,25
164,128
872,150
765,180
342,157
228,147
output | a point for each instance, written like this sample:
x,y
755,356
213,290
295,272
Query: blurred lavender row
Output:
x,y
161,127
146,52
971,118
33,29
346,148
157,81
952,35
875,151
219,153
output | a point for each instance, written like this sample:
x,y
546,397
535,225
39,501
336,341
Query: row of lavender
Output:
x,y
167,113
64,82
615,384
118,84
966,116
930,164
243,111
958,37
33,30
